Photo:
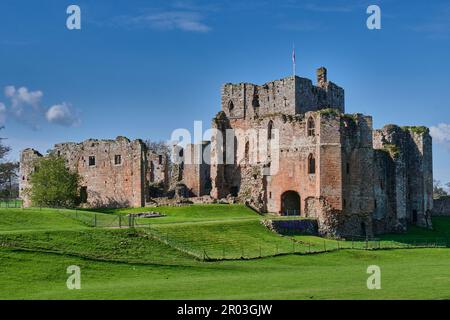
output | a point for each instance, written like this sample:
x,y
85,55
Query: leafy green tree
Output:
x,y
8,179
53,184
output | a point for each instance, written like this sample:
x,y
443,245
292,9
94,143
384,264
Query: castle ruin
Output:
x,y
329,166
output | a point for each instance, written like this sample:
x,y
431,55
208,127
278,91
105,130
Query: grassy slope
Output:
x,y
18,220
125,245
171,274
414,274
230,239
194,213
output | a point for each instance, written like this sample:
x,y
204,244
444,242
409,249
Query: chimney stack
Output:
x,y
322,76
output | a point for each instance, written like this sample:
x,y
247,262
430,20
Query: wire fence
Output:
x,y
11,203
223,247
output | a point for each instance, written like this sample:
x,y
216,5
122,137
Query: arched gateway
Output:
x,y
290,203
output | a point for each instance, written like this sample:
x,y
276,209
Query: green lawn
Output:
x,y
406,274
18,220
191,213
230,239
125,245
158,259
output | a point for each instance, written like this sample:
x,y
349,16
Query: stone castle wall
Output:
x,y
115,173
441,207
407,154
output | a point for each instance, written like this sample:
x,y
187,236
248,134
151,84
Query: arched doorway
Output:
x,y
290,203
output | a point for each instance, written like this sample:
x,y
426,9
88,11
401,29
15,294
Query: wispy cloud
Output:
x,y
336,6
169,20
25,106
438,27
441,134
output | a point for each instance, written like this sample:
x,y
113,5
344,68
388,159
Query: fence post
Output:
x,y
309,245
338,245
367,244
95,219
120,221
293,246
324,245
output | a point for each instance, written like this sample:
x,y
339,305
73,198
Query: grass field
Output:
x,y
157,260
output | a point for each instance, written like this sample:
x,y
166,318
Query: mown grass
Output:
x,y
405,274
132,264
190,213
229,240
125,245
17,220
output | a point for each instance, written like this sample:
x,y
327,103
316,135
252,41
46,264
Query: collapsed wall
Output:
x,y
404,178
114,173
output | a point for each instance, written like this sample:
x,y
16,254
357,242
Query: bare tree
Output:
x,y
438,190
160,147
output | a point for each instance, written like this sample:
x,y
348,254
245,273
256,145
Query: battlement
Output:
x,y
291,95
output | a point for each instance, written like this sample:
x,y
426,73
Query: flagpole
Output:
x,y
293,59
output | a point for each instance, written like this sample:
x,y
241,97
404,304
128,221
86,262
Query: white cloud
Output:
x,y
441,134
22,96
25,106
62,114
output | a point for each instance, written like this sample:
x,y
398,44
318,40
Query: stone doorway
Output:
x,y
290,203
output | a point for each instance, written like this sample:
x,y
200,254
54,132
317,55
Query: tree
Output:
x,y
53,184
8,173
8,179
438,190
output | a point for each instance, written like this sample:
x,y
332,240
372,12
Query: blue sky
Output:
x,y
144,68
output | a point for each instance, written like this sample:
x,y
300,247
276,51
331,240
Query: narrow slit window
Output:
x,y
311,164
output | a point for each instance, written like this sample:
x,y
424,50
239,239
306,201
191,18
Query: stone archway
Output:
x,y
290,203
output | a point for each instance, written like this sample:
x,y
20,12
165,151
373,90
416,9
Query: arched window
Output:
x,y
311,164
311,127
247,152
230,106
270,130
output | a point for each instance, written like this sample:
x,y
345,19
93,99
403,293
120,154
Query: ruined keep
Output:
x,y
285,147
330,166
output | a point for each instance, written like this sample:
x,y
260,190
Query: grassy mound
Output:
x,y
229,240
17,220
191,213
126,245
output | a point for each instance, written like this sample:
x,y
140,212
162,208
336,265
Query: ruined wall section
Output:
x,y
441,207
112,171
197,169
411,151
357,172
28,158
290,96
385,207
